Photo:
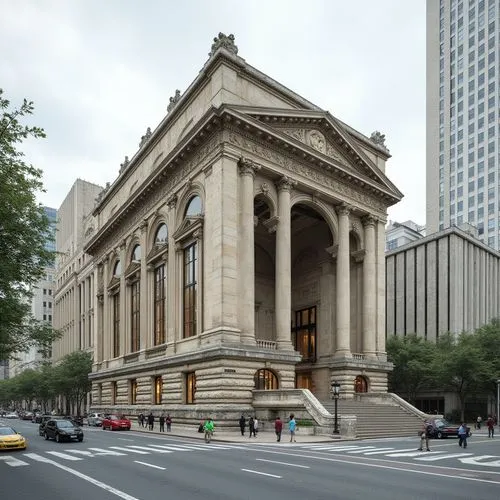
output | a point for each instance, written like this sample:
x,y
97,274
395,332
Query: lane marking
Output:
x,y
363,450
91,480
379,451
173,448
125,439
81,452
261,473
411,453
104,452
121,448
63,455
477,461
147,449
150,465
282,463
442,457
13,462
333,448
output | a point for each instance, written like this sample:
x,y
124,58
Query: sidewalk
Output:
x,y
233,436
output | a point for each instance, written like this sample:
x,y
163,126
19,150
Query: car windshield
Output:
x,y
63,424
442,423
7,431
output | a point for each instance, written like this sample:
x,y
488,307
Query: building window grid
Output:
x,y
190,290
116,324
304,333
135,316
190,388
159,305
158,390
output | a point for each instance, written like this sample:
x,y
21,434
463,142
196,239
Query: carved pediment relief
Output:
x,y
316,140
191,227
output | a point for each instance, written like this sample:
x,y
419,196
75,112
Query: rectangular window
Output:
x,y
116,324
190,388
135,316
133,392
159,304
190,290
158,390
45,291
304,334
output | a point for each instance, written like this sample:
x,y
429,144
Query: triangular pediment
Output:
x,y
188,227
321,134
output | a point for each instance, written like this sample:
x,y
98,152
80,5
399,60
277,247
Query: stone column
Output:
x,y
369,290
381,299
125,344
247,169
145,310
283,281
343,285
106,331
173,284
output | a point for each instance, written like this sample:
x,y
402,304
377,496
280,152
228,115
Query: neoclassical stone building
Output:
x,y
241,248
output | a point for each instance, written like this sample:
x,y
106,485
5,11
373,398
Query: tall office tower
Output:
x,y
463,82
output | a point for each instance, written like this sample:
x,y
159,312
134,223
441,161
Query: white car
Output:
x,y
95,419
11,415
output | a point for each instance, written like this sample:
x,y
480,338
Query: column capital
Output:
x,y
369,220
344,209
285,184
248,167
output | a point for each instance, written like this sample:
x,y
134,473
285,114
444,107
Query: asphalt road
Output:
x,y
137,466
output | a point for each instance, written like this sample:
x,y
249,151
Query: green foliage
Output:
x,y
305,423
24,229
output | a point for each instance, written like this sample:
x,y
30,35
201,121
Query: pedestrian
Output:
x,y
478,422
251,427
242,423
278,427
462,436
151,421
168,420
162,422
491,426
425,434
142,419
255,426
292,427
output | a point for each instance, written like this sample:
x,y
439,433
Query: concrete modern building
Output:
x,y
447,281
241,249
74,291
400,233
463,100
41,305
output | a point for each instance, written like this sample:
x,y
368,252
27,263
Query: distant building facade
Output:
x,y
241,248
399,233
41,304
447,281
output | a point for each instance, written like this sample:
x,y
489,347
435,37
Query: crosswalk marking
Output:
x,y
379,451
410,453
333,448
102,451
122,448
65,456
441,457
173,448
38,458
362,450
13,462
147,448
81,452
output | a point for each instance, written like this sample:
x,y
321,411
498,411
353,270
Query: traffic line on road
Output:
x,y
283,463
150,465
64,456
148,449
81,452
367,449
262,473
13,462
380,451
442,457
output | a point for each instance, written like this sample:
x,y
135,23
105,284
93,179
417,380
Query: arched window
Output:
x,y
117,270
360,384
136,254
265,379
161,235
193,207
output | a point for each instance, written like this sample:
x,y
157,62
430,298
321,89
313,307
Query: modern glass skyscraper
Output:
x,y
463,95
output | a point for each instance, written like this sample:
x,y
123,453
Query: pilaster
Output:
x,y
369,289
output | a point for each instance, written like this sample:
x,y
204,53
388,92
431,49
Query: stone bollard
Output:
x,y
348,426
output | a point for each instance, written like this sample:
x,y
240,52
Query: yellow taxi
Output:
x,y
11,440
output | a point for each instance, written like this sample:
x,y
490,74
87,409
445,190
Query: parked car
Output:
x,y
75,419
95,419
62,430
10,415
11,440
441,428
43,420
116,422
27,415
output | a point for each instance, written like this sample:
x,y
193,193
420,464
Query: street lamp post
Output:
x,y
335,395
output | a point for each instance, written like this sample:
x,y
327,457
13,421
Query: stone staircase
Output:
x,y
374,419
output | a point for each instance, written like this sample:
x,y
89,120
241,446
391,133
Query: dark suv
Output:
x,y
62,430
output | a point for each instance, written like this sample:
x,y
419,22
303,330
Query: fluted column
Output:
x,y
369,289
343,285
247,169
283,281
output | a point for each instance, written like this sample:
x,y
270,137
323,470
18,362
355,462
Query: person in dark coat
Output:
x,y
151,421
168,420
251,427
278,428
242,425
162,422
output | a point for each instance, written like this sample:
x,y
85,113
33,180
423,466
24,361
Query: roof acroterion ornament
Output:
x,y
226,41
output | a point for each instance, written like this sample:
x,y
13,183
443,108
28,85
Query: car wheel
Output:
x,y
46,436
439,435
80,439
58,438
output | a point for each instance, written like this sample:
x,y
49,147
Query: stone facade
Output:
x,y
240,248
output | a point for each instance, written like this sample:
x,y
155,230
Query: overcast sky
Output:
x,y
101,72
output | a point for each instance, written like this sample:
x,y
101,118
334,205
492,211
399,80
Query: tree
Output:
x,y
460,366
488,340
411,356
24,230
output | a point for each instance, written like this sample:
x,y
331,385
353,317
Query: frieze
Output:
x,y
172,179
306,172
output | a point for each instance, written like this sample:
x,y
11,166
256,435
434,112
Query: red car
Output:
x,y
116,422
